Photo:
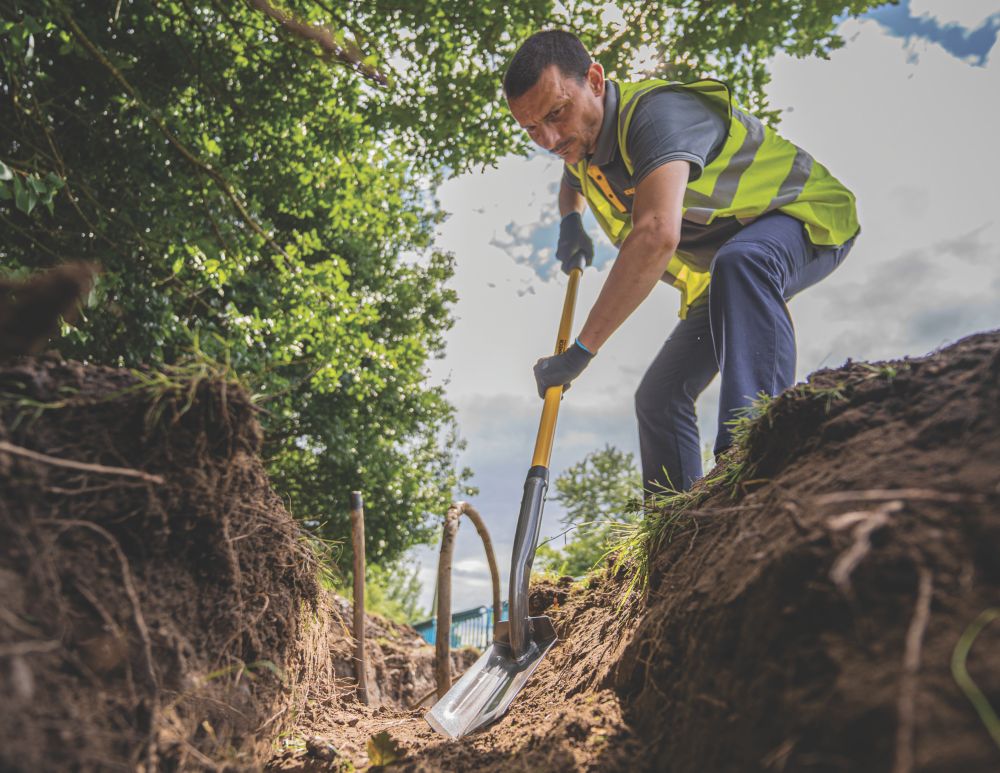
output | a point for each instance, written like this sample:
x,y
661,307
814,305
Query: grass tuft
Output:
x,y
668,512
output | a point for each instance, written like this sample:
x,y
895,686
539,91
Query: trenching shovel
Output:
x,y
486,690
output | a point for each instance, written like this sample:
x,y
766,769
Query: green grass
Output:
x,y
668,513
175,384
178,384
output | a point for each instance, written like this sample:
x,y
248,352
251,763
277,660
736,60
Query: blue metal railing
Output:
x,y
470,628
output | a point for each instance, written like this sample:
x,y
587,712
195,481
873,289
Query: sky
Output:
x,y
905,115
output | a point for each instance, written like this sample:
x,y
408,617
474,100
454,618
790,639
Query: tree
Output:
x,y
238,190
599,493
260,179
394,591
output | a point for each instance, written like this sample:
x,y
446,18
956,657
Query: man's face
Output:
x,y
561,114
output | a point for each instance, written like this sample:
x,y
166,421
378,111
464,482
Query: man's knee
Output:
x,y
740,261
658,402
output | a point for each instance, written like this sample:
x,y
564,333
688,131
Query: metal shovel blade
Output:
x,y
486,690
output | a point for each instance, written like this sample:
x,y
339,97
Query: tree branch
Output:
x,y
346,53
205,168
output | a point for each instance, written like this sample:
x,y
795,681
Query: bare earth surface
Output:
x,y
803,618
803,621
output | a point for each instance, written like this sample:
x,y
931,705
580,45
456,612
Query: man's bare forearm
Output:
x,y
641,262
570,200
644,255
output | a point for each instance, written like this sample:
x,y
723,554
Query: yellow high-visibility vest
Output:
x,y
757,171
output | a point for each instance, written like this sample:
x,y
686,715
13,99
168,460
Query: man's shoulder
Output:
x,y
672,101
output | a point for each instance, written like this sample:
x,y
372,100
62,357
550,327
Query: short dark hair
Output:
x,y
540,51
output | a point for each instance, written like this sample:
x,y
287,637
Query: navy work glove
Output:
x,y
561,369
572,240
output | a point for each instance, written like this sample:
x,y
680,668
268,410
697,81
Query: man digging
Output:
x,y
694,192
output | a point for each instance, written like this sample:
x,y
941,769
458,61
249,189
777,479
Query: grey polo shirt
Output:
x,y
666,126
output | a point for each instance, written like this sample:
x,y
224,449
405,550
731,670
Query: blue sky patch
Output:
x,y
969,45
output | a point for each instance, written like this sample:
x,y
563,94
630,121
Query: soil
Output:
x,y
30,310
809,622
803,620
160,608
803,616
152,583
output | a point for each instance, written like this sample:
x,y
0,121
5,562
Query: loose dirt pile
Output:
x,y
810,623
802,613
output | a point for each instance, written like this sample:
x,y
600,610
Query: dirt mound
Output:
x,y
160,608
562,721
810,624
152,583
400,661
803,609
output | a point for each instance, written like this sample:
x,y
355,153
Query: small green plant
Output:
x,y
663,517
961,673
383,749
179,383
27,410
885,370
327,552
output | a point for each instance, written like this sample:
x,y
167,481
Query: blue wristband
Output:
x,y
577,342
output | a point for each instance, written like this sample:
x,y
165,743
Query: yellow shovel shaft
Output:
x,y
547,426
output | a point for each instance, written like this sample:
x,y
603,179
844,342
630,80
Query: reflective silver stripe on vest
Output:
x,y
794,181
699,207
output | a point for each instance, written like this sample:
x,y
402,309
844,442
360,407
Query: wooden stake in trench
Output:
x,y
358,541
442,641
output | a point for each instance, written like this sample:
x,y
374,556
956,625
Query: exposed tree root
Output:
x,y
10,448
865,522
906,706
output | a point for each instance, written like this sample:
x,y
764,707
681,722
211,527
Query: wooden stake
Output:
x,y
358,541
442,640
473,515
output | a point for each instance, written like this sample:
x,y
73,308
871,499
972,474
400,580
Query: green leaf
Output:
x,y
5,192
178,265
383,749
210,144
21,195
54,181
5,172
